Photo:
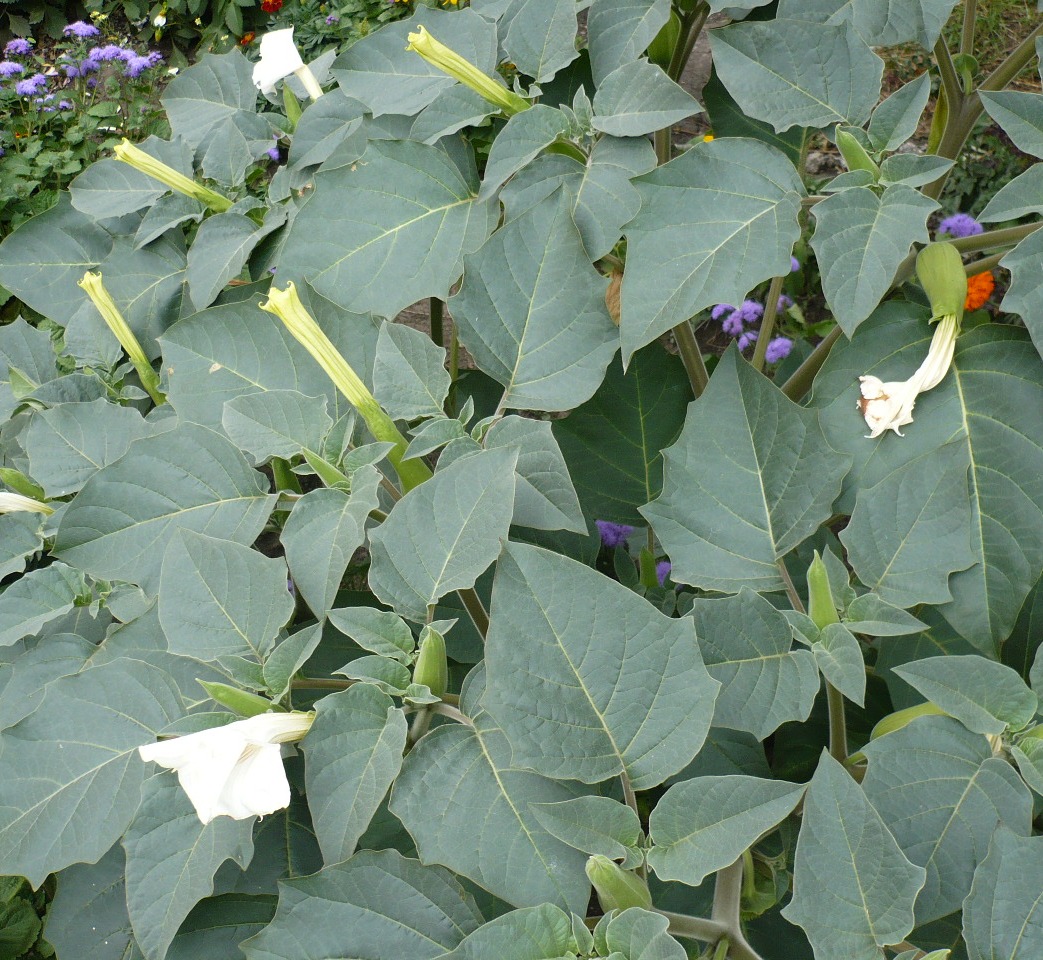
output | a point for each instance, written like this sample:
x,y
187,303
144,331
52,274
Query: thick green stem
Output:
x,y
727,911
285,478
694,928
437,333
985,263
771,306
970,12
837,723
800,382
420,724
691,357
950,79
475,610
692,24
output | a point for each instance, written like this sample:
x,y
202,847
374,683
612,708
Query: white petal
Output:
x,y
206,777
279,58
275,727
257,785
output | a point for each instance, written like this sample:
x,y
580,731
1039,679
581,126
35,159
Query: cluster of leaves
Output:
x,y
697,736
73,115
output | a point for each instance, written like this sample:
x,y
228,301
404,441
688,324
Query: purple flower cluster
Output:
x,y
111,51
8,68
794,264
81,30
136,65
17,47
749,311
31,86
613,534
332,19
960,225
778,349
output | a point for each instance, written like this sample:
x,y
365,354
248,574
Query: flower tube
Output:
x,y
280,58
16,503
236,770
137,158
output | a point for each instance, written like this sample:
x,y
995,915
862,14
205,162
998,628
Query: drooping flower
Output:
x,y
8,68
662,571
613,534
81,30
16,503
280,58
979,289
146,163
960,225
778,349
19,47
236,770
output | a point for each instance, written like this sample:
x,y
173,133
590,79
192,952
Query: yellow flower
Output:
x,y
139,160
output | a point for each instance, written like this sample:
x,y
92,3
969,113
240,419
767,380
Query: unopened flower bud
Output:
x,y
855,155
617,889
432,668
821,608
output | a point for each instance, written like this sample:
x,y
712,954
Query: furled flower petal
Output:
x,y
16,503
280,58
236,770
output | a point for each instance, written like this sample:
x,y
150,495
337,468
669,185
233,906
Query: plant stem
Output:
x,y
437,334
446,710
996,238
306,683
791,590
985,263
691,357
950,81
475,610
285,478
727,910
837,723
1013,64
771,305
694,928
420,723
970,12
800,382
691,26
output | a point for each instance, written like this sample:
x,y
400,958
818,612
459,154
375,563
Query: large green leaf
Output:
x,y
26,354
746,646
880,22
983,695
612,443
375,906
541,932
751,476
228,351
1020,115
541,328
72,777
603,196
23,678
276,423
380,72
1024,296
219,598
325,528
525,135
88,914
619,31
219,251
853,888
222,497
942,794
172,859
443,534
70,442
725,216
1021,196
593,824
895,120
43,259
989,403
353,753
413,215
860,239
703,825
111,188
540,36
1001,915
468,806
568,658
36,599
639,98
911,529
217,925
21,535
410,379
796,73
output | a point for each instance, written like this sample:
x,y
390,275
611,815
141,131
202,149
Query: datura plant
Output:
x,y
555,631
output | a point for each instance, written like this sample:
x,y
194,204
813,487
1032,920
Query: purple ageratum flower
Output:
x,y
748,338
332,19
88,66
273,154
31,86
8,68
111,51
720,310
81,30
732,324
662,571
17,47
778,349
136,66
64,104
613,534
155,58
750,311
784,303
794,264
960,225
71,70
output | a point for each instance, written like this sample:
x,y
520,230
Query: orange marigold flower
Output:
x,y
247,38
979,289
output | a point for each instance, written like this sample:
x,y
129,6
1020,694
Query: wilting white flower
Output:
x,y
889,406
16,503
236,770
280,58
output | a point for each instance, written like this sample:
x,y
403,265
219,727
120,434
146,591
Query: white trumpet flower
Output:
x,y
280,58
16,503
236,770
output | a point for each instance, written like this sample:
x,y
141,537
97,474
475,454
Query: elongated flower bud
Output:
x,y
855,155
821,608
431,667
451,63
617,889
287,306
139,160
92,283
939,268
16,503
900,718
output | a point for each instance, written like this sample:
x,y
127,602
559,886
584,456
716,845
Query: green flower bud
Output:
x,y
431,667
940,269
451,63
821,608
239,701
617,889
855,155
900,718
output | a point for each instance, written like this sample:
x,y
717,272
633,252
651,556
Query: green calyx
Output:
x,y
617,889
432,668
821,608
939,268
854,154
